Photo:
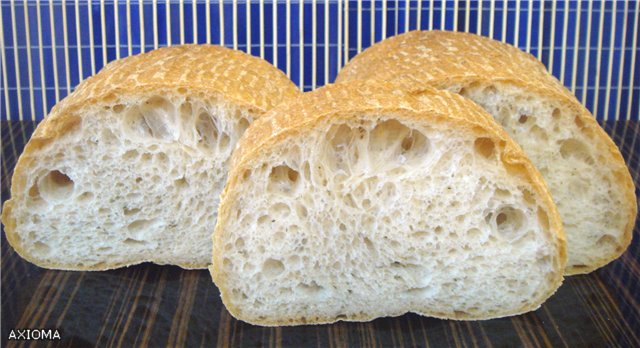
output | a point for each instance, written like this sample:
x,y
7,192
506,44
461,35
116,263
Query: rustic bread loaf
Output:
x,y
584,169
129,167
356,202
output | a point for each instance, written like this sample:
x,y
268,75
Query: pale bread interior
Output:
x,y
355,220
139,180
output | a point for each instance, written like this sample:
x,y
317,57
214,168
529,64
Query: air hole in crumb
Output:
x,y
606,240
309,289
484,146
41,247
283,178
131,241
34,192
246,175
544,218
130,211
556,113
271,268
578,121
181,183
207,130
140,225
243,124
55,185
576,149
523,119
474,233
509,222
118,108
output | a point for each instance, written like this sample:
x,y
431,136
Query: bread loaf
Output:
x,y
356,202
129,167
584,169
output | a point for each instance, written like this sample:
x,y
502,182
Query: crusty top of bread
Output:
x,y
349,101
442,59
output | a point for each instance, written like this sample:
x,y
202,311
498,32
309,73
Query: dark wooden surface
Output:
x,y
167,306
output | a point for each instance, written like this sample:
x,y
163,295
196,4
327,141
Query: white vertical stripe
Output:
x,y
128,13
346,31
274,16
505,9
221,15
596,96
262,29
407,10
207,18
431,14
234,23
30,66
103,25
194,19
372,23
576,47
142,30
623,47
181,20
585,77
248,26
467,16
397,11
301,43
455,15
359,32
54,45
4,68
552,41
633,67
516,38
611,48
65,41
78,40
314,43
326,42
167,12
480,12
116,25
443,14
419,24
16,59
492,13
563,58
540,30
288,36
154,4
43,84
529,24
384,19
91,43
339,50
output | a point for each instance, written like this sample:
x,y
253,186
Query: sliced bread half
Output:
x,y
129,167
356,202
584,169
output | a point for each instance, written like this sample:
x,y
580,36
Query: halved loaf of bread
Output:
x,y
356,202
584,169
129,167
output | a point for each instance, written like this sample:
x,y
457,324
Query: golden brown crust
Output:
x,y
206,71
350,101
441,59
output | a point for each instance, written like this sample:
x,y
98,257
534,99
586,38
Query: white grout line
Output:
x,y
467,16
480,11
4,69
262,29
346,30
492,15
207,18
516,38
301,48
16,60
529,24
384,20
40,51
194,19
66,46
314,41
234,22
248,26
552,41
505,8
221,22
116,25
53,51
359,33
576,46
154,4
29,62
167,11
339,50
78,39
419,19
596,96
455,15
633,60
540,30
274,17
142,30
443,14
181,20
612,40
565,24
622,56
431,14
288,37
128,13
585,79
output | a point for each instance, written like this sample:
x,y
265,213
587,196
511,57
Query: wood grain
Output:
x,y
149,305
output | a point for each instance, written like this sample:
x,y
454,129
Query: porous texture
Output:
x,y
584,169
129,167
356,202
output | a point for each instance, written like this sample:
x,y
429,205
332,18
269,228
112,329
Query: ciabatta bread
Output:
x,y
584,169
129,167
356,202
